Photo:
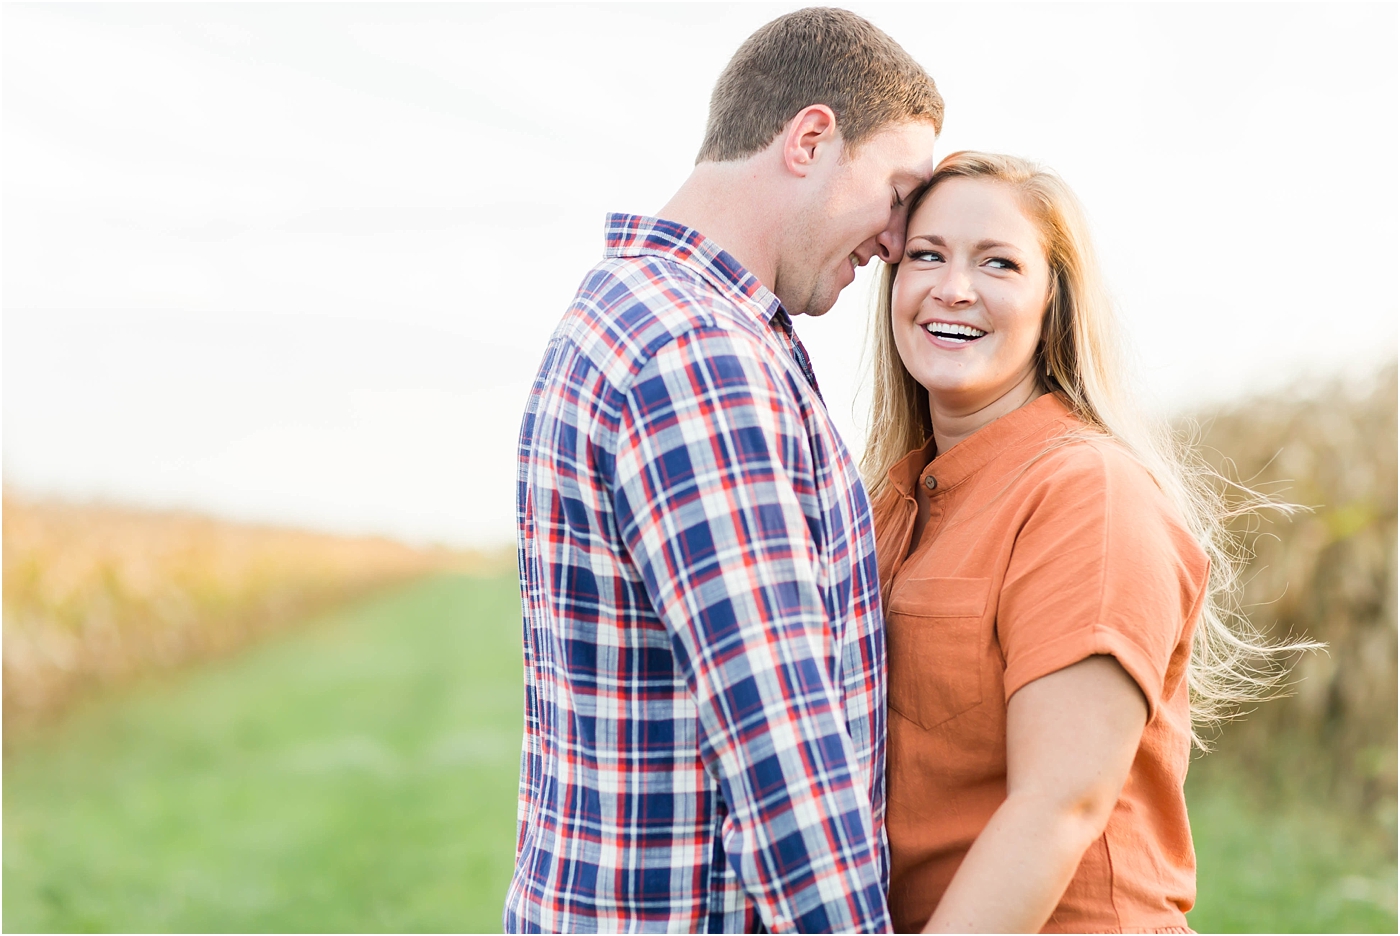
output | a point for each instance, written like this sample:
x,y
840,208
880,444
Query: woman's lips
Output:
x,y
952,335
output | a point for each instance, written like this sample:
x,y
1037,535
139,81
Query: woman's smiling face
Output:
x,y
970,295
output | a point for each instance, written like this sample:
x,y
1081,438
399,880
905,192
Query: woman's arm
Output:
x,y
1071,738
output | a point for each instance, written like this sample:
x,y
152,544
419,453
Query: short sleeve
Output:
x,y
1101,565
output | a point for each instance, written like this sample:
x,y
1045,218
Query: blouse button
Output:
x,y
930,482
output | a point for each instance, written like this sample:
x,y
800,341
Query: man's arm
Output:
x,y
710,453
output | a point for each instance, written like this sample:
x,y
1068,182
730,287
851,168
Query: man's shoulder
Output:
x,y
628,309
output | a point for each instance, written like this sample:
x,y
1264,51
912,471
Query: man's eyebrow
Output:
x,y
910,181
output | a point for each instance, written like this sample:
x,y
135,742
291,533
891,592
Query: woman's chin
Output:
x,y
955,392
966,397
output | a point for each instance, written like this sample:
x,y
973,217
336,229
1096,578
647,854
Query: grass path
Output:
x,y
1265,866
359,775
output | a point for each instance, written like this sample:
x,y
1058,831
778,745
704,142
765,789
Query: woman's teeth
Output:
x,y
953,332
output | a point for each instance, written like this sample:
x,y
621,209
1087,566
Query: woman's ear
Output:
x,y
1052,299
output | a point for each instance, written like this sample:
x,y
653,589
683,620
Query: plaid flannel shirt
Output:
x,y
704,653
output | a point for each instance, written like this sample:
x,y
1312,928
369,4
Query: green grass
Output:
x,y
359,774
1266,864
356,775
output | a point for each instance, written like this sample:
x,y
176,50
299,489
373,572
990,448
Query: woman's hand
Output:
x,y
1071,738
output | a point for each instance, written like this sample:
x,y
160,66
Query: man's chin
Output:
x,y
817,304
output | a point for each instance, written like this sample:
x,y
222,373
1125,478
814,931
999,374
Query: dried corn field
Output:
x,y
1328,573
97,594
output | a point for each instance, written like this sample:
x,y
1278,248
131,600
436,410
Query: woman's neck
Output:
x,y
954,422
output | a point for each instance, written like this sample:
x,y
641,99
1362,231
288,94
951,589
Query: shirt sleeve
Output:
x,y
712,466
1101,565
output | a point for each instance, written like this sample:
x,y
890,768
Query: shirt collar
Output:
x,y
1045,414
628,235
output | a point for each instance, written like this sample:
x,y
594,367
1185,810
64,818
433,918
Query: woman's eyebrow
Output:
x,y
981,245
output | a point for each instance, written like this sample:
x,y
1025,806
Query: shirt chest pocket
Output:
x,y
936,645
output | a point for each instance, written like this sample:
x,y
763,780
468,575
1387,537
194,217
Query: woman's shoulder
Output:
x,y
1094,475
1082,455
1083,462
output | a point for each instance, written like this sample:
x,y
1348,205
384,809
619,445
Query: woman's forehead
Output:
x,y
961,208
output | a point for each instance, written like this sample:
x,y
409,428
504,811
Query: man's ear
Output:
x,y
810,136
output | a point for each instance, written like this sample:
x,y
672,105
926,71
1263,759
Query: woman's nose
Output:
x,y
954,287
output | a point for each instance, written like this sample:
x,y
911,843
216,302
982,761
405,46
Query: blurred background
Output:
x,y
276,278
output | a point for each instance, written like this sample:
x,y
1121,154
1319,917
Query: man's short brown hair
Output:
x,y
820,55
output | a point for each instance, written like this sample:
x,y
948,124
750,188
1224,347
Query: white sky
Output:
x,y
298,263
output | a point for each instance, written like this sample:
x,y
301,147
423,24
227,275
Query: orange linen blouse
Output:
x,y
1039,551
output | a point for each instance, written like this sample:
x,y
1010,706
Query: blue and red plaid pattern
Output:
x,y
704,654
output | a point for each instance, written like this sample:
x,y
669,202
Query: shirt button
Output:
x,y
930,482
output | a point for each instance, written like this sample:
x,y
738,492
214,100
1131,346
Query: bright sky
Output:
x,y
299,262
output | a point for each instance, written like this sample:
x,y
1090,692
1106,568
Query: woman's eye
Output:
x,y
926,256
1001,263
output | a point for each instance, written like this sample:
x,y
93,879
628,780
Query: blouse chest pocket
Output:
x,y
935,647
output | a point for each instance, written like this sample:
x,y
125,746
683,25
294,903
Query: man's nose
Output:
x,y
889,245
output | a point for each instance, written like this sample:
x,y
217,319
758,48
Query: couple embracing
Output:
x,y
764,691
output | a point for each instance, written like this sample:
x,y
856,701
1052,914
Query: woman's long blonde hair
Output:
x,y
1081,358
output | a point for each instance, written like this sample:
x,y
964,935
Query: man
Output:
x,y
704,660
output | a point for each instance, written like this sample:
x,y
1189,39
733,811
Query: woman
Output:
x,y
1055,576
